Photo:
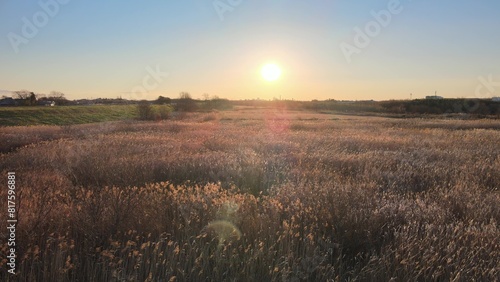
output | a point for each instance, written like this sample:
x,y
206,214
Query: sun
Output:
x,y
270,72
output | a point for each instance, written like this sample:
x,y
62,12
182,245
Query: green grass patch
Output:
x,y
65,115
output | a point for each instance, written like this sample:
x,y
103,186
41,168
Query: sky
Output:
x,y
328,49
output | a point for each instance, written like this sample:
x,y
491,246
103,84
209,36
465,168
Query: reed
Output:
x,y
263,196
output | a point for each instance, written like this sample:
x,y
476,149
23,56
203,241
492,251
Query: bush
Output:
x,y
148,112
162,100
185,103
145,110
164,111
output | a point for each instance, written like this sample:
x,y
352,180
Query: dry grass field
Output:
x,y
256,195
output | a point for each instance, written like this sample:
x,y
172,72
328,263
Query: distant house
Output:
x,y
495,99
8,102
435,97
85,102
47,103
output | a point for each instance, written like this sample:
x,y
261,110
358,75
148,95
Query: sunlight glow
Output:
x,y
270,72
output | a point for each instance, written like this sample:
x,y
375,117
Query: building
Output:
x,y
47,103
8,102
435,97
495,99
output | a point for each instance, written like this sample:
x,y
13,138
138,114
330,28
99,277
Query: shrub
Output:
x,y
164,111
149,112
145,110
185,103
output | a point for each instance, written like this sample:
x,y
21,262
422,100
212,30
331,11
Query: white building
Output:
x,y
435,97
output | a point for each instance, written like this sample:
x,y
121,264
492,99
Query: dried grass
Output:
x,y
260,196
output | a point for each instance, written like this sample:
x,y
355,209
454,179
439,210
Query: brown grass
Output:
x,y
256,195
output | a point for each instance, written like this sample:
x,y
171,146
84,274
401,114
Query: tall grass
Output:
x,y
266,196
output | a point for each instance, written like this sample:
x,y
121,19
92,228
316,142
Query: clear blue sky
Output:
x,y
110,48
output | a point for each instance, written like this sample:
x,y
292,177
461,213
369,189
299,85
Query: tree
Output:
x,y
185,96
22,95
28,98
58,98
57,95
186,103
162,100
32,99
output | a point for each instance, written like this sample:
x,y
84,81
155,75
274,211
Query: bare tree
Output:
x,y
29,98
185,102
185,95
56,95
22,94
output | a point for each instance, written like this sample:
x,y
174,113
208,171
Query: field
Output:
x,y
256,195
66,115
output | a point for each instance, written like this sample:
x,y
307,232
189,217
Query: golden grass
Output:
x,y
257,195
